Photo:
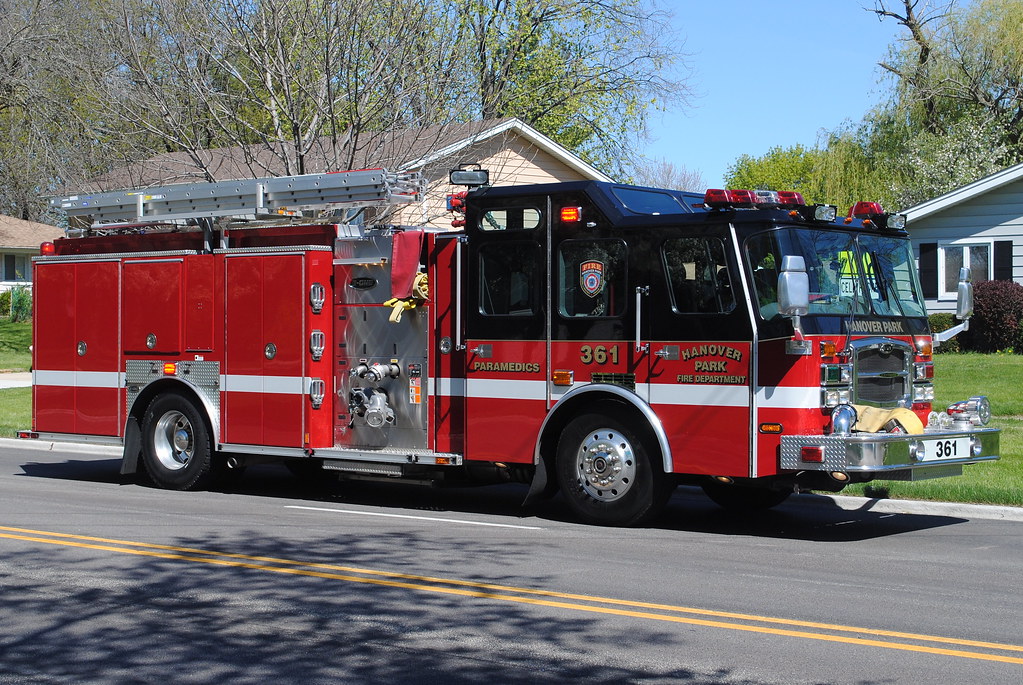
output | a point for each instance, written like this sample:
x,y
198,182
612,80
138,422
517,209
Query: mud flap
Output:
x,y
542,486
132,446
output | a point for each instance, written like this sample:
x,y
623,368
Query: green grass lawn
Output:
x,y
15,410
14,341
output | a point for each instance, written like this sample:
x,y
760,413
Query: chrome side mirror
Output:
x,y
964,308
793,287
964,295
794,300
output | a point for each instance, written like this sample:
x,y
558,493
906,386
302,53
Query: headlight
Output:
x,y
923,392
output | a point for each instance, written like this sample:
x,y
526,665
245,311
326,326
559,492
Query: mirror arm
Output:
x,y
948,334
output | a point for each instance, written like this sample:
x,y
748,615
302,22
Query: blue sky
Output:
x,y
768,73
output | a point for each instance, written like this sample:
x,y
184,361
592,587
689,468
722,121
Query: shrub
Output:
x,y
5,303
21,304
997,318
942,321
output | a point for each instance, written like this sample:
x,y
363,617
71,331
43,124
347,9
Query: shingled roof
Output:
x,y
18,233
395,150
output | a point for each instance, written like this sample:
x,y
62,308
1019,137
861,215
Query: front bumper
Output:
x,y
892,456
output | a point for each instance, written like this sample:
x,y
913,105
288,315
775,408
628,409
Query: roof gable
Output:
x,y
530,134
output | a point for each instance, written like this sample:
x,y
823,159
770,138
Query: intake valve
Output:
x,y
376,372
371,405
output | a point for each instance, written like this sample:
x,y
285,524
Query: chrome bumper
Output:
x,y
892,456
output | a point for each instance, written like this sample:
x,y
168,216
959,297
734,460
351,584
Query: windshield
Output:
x,y
850,274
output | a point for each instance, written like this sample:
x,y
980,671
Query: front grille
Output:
x,y
880,390
882,371
874,360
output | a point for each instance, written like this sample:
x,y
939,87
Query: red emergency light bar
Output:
x,y
719,198
865,210
872,214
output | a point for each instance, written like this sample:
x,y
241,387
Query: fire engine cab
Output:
x,y
602,340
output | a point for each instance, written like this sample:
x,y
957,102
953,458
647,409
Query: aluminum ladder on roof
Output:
x,y
247,197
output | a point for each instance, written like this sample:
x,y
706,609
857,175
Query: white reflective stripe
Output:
x,y
276,385
53,377
449,387
702,395
494,388
789,398
77,379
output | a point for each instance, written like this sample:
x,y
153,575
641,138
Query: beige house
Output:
x,y
19,242
512,151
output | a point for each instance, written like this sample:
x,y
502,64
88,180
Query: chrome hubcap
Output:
x,y
606,466
174,440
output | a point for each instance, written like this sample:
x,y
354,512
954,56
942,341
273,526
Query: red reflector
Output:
x,y
170,368
812,453
862,209
47,248
28,435
571,215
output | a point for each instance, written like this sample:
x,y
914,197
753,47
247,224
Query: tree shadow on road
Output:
x,y
800,518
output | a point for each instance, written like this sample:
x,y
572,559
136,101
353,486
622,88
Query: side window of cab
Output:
x,y
592,278
697,275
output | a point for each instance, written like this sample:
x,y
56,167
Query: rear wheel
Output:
x,y
607,474
176,446
745,498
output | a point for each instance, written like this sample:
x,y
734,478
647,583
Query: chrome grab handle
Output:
x,y
641,290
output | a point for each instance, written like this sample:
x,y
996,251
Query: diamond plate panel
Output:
x,y
834,452
203,377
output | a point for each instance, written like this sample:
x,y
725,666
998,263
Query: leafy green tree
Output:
x,y
53,125
780,168
958,81
584,72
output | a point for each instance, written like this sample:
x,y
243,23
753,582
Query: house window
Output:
x,y
954,256
16,268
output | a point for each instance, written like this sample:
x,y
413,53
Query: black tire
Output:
x,y
745,499
176,446
607,472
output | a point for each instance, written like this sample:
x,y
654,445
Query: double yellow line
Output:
x,y
886,639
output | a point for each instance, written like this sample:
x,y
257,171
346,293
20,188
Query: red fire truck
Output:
x,y
602,340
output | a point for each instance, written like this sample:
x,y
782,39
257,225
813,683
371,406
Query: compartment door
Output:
x,y
265,389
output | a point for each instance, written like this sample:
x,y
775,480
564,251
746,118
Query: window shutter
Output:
x,y
929,270
1003,260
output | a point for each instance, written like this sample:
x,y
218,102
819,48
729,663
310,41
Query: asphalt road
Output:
x,y
276,581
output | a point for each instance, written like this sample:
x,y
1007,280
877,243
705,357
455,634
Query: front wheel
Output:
x,y
606,472
176,446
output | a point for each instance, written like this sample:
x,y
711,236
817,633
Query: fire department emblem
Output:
x,y
591,277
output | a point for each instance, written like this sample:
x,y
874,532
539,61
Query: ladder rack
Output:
x,y
248,197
